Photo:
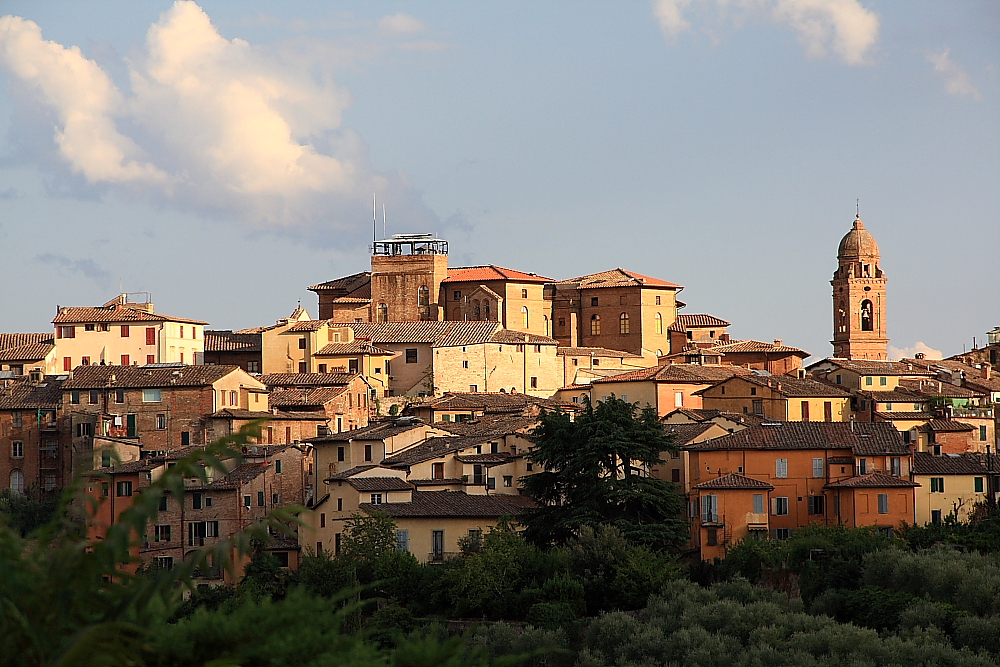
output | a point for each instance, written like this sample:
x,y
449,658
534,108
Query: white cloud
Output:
x,y
209,124
956,80
917,348
400,24
842,26
670,14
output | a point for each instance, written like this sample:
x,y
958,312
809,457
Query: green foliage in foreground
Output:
x,y
732,624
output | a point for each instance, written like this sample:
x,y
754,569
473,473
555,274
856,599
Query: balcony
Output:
x,y
441,556
756,521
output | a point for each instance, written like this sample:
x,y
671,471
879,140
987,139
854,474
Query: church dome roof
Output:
x,y
858,242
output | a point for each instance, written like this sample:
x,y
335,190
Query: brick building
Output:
x,y
515,299
160,407
616,309
35,443
234,348
24,353
347,403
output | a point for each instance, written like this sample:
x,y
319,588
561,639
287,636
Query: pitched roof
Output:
x,y
351,472
520,338
23,394
685,433
870,481
432,448
935,388
303,396
308,325
491,426
454,504
8,340
797,387
229,341
733,481
491,272
705,414
374,431
677,373
925,463
700,320
891,416
900,395
741,346
595,352
74,315
488,401
356,346
435,333
145,377
946,426
616,278
348,283
229,413
307,379
872,367
863,438
241,474
28,352
379,484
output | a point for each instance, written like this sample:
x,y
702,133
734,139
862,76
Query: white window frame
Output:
x,y
710,509
152,396
818,468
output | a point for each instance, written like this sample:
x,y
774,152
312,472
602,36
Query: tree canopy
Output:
x,y
594,472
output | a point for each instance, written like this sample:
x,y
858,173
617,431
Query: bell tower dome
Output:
x,y
859,298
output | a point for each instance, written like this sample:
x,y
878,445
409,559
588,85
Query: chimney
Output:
x,y
987,370
919,355
777,342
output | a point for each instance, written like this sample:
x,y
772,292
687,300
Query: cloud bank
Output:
x,y
212,125
842,26
896,353
957,81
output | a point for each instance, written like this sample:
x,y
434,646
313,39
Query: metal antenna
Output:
x,y
383,222
374,222
858,203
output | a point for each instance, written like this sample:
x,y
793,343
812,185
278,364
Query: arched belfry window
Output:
x,y
423,296
547,324
867,316
595,325
623,324
524,317
383,313
659,323
842,317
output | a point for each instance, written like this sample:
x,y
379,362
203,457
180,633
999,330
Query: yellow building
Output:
x,y
126,333
663,387
866,375
322,346
27,353
780,397
950,485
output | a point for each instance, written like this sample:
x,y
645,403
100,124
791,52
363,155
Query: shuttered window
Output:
x,y
709,509
817,467
781,468
883,503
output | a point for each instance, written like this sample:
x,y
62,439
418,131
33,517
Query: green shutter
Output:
x,y
979,484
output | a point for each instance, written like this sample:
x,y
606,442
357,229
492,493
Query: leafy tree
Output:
x,y
590,477
26,512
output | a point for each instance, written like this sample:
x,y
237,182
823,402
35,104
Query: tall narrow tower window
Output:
x,y
383,313
423,296
659,323
867,316
623,324
595,325
524,317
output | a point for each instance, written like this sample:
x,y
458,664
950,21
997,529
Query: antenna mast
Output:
x,y
383,222
374,222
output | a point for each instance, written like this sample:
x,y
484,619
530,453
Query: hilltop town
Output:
x,y
416,388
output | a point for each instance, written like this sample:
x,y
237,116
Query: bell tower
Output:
x,y
859,298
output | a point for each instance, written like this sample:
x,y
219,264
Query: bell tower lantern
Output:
x,y
859,298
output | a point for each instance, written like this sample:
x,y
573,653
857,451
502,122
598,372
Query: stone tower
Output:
x,y
859,298
407,271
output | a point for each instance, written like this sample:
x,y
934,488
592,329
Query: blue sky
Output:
x,y
223,155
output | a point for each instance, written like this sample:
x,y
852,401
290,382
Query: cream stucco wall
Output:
x,y
959,496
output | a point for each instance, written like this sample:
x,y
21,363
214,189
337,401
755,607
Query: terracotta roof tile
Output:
x,y
507,336
348,283
308,325
357,346
890,416
351,472
26,395
368,484
925,463
700,320
872,480
616,278
685,433
375,431
454,504
491,272
230,341
734,481
490,401
678,373
74,315
491,426
872,367
946,426
797,387
304,396
433,448
229,413
739,346
442,334
863,438
595,352
287,380
935,388
144,377
29,352
8,340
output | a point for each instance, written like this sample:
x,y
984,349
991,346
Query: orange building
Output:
x,y
730,508
820,471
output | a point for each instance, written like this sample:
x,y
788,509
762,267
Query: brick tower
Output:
x,y
407,271
859,298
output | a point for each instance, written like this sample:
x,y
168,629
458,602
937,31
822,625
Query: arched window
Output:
x,y
524,317
383,313
659,324
524,294
423,296
486,309
548,325
659,353
842,318
867,316
595,325
623,324
16,481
